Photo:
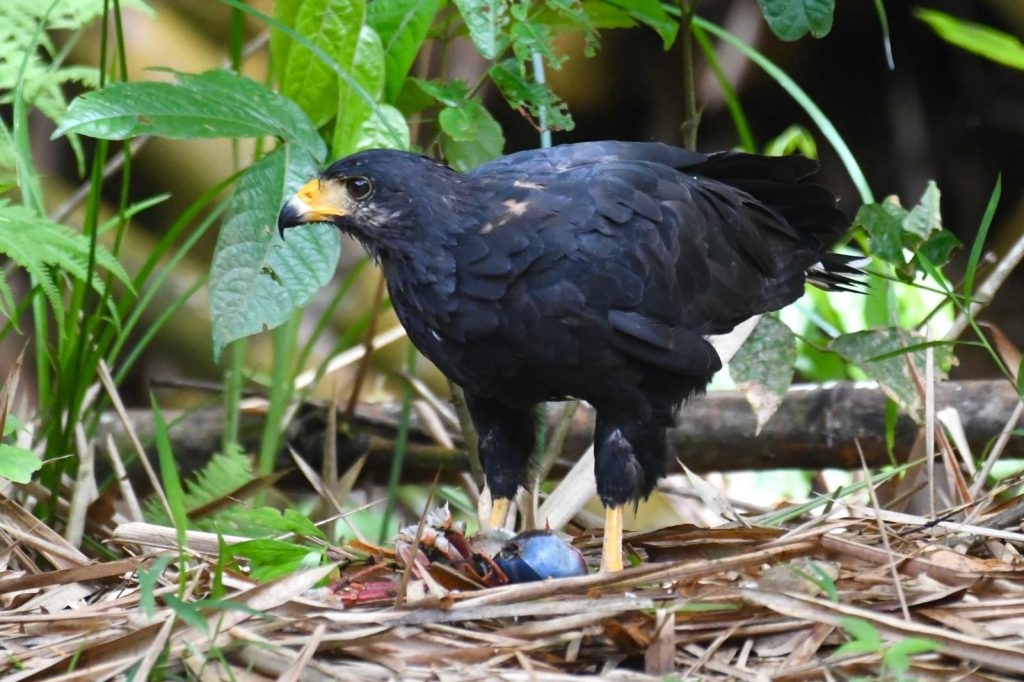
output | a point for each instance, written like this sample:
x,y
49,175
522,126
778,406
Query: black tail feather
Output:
x,y
783,185
839,272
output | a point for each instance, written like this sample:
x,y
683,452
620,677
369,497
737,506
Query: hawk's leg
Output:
x,y
506,443
629,458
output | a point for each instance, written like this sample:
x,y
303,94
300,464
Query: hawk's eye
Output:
x,y
358,188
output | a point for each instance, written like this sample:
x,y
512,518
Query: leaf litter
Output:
x,y
814,596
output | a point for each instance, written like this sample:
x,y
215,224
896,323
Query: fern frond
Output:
x,y
48,250
223,474
7,305
8,158
42,82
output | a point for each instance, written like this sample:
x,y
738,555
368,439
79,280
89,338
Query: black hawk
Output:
x,y
593,271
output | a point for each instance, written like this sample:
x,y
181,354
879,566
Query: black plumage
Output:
x,y
593,271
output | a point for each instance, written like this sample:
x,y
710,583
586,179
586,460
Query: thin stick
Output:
x,y
929,424
115,399
885,535
403,584
346,358
123,482
997,450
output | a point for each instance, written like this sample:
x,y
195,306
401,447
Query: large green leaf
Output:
x,y
402,26
256,280
977,38
334,27
763,367
793,19
877,353
387,127
486,21
215,103
471,135
353,109
285,12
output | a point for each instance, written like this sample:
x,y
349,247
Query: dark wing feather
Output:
x,y
655,245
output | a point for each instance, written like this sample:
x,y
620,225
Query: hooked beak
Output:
x,y
316,202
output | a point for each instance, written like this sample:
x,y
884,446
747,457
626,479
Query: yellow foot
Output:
x,y
611,550
499,511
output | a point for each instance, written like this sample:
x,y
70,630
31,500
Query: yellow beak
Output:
x,y
316,202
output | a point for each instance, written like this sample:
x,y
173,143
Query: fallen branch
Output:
x,y
816,427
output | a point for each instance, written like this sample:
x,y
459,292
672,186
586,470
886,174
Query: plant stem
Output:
x,y
692,115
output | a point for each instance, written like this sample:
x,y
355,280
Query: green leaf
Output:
x,y
451,94
187,613
520,92
979,39
893,229
857,646
862,631
169,475
529,37
269,559
1020,380
884,224
411,99
793,19
651,13
826,582
925,218
763,367
573,16
870,350
939,247
402,26
486,21
334,27
463,123
897,657
285,12
979,239
256,280
148,578
386,128
212,104
18,464
354,113
472,136
12,425
567,16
